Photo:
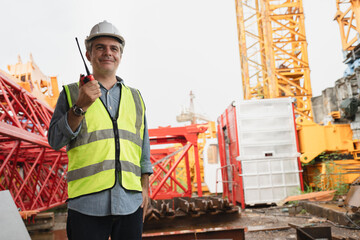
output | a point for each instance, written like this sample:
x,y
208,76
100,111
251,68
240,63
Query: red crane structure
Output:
x,y
30,169
164,182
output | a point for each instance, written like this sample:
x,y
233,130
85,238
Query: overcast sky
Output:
x,y
172,47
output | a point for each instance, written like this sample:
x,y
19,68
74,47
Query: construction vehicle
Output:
x,y
335,110
336,116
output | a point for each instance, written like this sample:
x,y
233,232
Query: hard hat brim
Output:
x,y
117,37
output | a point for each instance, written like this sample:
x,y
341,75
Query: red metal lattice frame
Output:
x,y
163,183
30,169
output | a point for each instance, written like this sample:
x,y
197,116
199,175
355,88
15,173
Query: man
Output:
x,y
103,125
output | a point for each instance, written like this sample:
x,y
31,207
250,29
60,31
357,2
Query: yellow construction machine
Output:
x,y
333,135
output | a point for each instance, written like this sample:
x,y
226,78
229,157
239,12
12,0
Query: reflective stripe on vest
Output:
x,y
92,153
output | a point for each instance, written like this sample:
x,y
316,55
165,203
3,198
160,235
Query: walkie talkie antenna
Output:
x,y
87,70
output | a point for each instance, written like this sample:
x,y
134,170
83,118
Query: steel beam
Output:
x,y
225,233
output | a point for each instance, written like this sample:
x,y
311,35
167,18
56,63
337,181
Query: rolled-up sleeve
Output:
x,y
145,163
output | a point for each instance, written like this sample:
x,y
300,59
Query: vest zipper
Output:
x,y
117,140
117,145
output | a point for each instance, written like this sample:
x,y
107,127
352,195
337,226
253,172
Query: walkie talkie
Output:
x,y
84,79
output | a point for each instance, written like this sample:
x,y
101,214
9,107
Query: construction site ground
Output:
x,y
260,222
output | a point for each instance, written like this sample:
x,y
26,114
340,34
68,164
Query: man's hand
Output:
x,y
88,93
145,193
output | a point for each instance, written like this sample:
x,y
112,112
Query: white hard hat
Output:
x,y
105,29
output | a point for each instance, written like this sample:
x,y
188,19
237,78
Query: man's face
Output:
x,y
105,55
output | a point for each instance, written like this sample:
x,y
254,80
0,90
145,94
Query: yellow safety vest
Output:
x,y
102,142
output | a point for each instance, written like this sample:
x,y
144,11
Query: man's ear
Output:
x,y
87,55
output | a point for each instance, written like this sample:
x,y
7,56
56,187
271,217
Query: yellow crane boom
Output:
x,y
273,51
348,18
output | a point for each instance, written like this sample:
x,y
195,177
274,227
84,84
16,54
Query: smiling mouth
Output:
x,y
107,61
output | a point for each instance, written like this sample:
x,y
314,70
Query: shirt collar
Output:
x,y
119,81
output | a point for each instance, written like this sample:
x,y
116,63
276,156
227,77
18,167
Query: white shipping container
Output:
x,y
268,150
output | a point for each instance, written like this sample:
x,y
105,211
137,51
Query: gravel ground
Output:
x,y
256,220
